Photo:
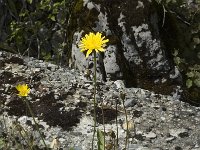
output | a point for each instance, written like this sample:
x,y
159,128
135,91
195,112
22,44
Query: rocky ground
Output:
x,y
62,98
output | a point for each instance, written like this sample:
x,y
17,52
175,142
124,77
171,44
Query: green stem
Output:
x,y
126,125
117,126
94,101
20,132
104,129
4,121
31,112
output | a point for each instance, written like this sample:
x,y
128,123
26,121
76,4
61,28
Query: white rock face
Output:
x,y
78,57
110,60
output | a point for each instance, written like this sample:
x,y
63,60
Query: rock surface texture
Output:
x,y
61,100
136,52
154,44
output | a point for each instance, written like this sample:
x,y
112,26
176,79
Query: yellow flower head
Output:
x,y
23,89
92,42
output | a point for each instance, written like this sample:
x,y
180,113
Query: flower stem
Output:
x,y
127,129
116,125
31,112
94,101
104,129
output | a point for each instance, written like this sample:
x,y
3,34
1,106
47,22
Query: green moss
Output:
x,y
78,6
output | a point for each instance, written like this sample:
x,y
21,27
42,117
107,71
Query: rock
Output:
x,y
170,139
120,84
90,87
69,116
183,134
52,67
137,147
131,125
56,97
177,132
136,53
178,148
112,69
150,135
130,103
139,52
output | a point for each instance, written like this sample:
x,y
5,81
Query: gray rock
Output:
x,y
150,135
177,132
110,62
137,54
130,103
155,124
52,67
169,139
120,84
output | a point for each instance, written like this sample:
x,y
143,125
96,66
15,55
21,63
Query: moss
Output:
x,y
78,7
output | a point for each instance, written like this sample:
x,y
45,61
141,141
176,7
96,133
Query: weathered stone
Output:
x,y
70,117
177,132
130,103
135,52
150,135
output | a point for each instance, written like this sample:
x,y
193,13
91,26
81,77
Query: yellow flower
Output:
x,y
23,89
92,42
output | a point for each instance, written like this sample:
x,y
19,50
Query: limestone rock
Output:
x,y
135,53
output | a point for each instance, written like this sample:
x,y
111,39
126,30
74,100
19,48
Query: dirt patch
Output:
x,y
109,114
15,60
2,64
47,109
8,78
17,107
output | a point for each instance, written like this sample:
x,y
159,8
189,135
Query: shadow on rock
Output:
x,y
48,110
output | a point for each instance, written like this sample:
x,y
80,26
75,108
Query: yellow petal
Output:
x,y
88,53
101,49
92,42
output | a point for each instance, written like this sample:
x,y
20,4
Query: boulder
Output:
x,y
135,53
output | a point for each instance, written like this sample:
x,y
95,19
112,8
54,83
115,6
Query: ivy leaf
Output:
x,y
189,83
100,138
29,1
52,17
177,60
197,82
190,74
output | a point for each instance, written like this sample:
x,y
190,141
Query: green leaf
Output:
x,y
100,138
190,74
175,52
177,60
197,82
189,83
29,1
2,143
56,4
197,74
52,17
